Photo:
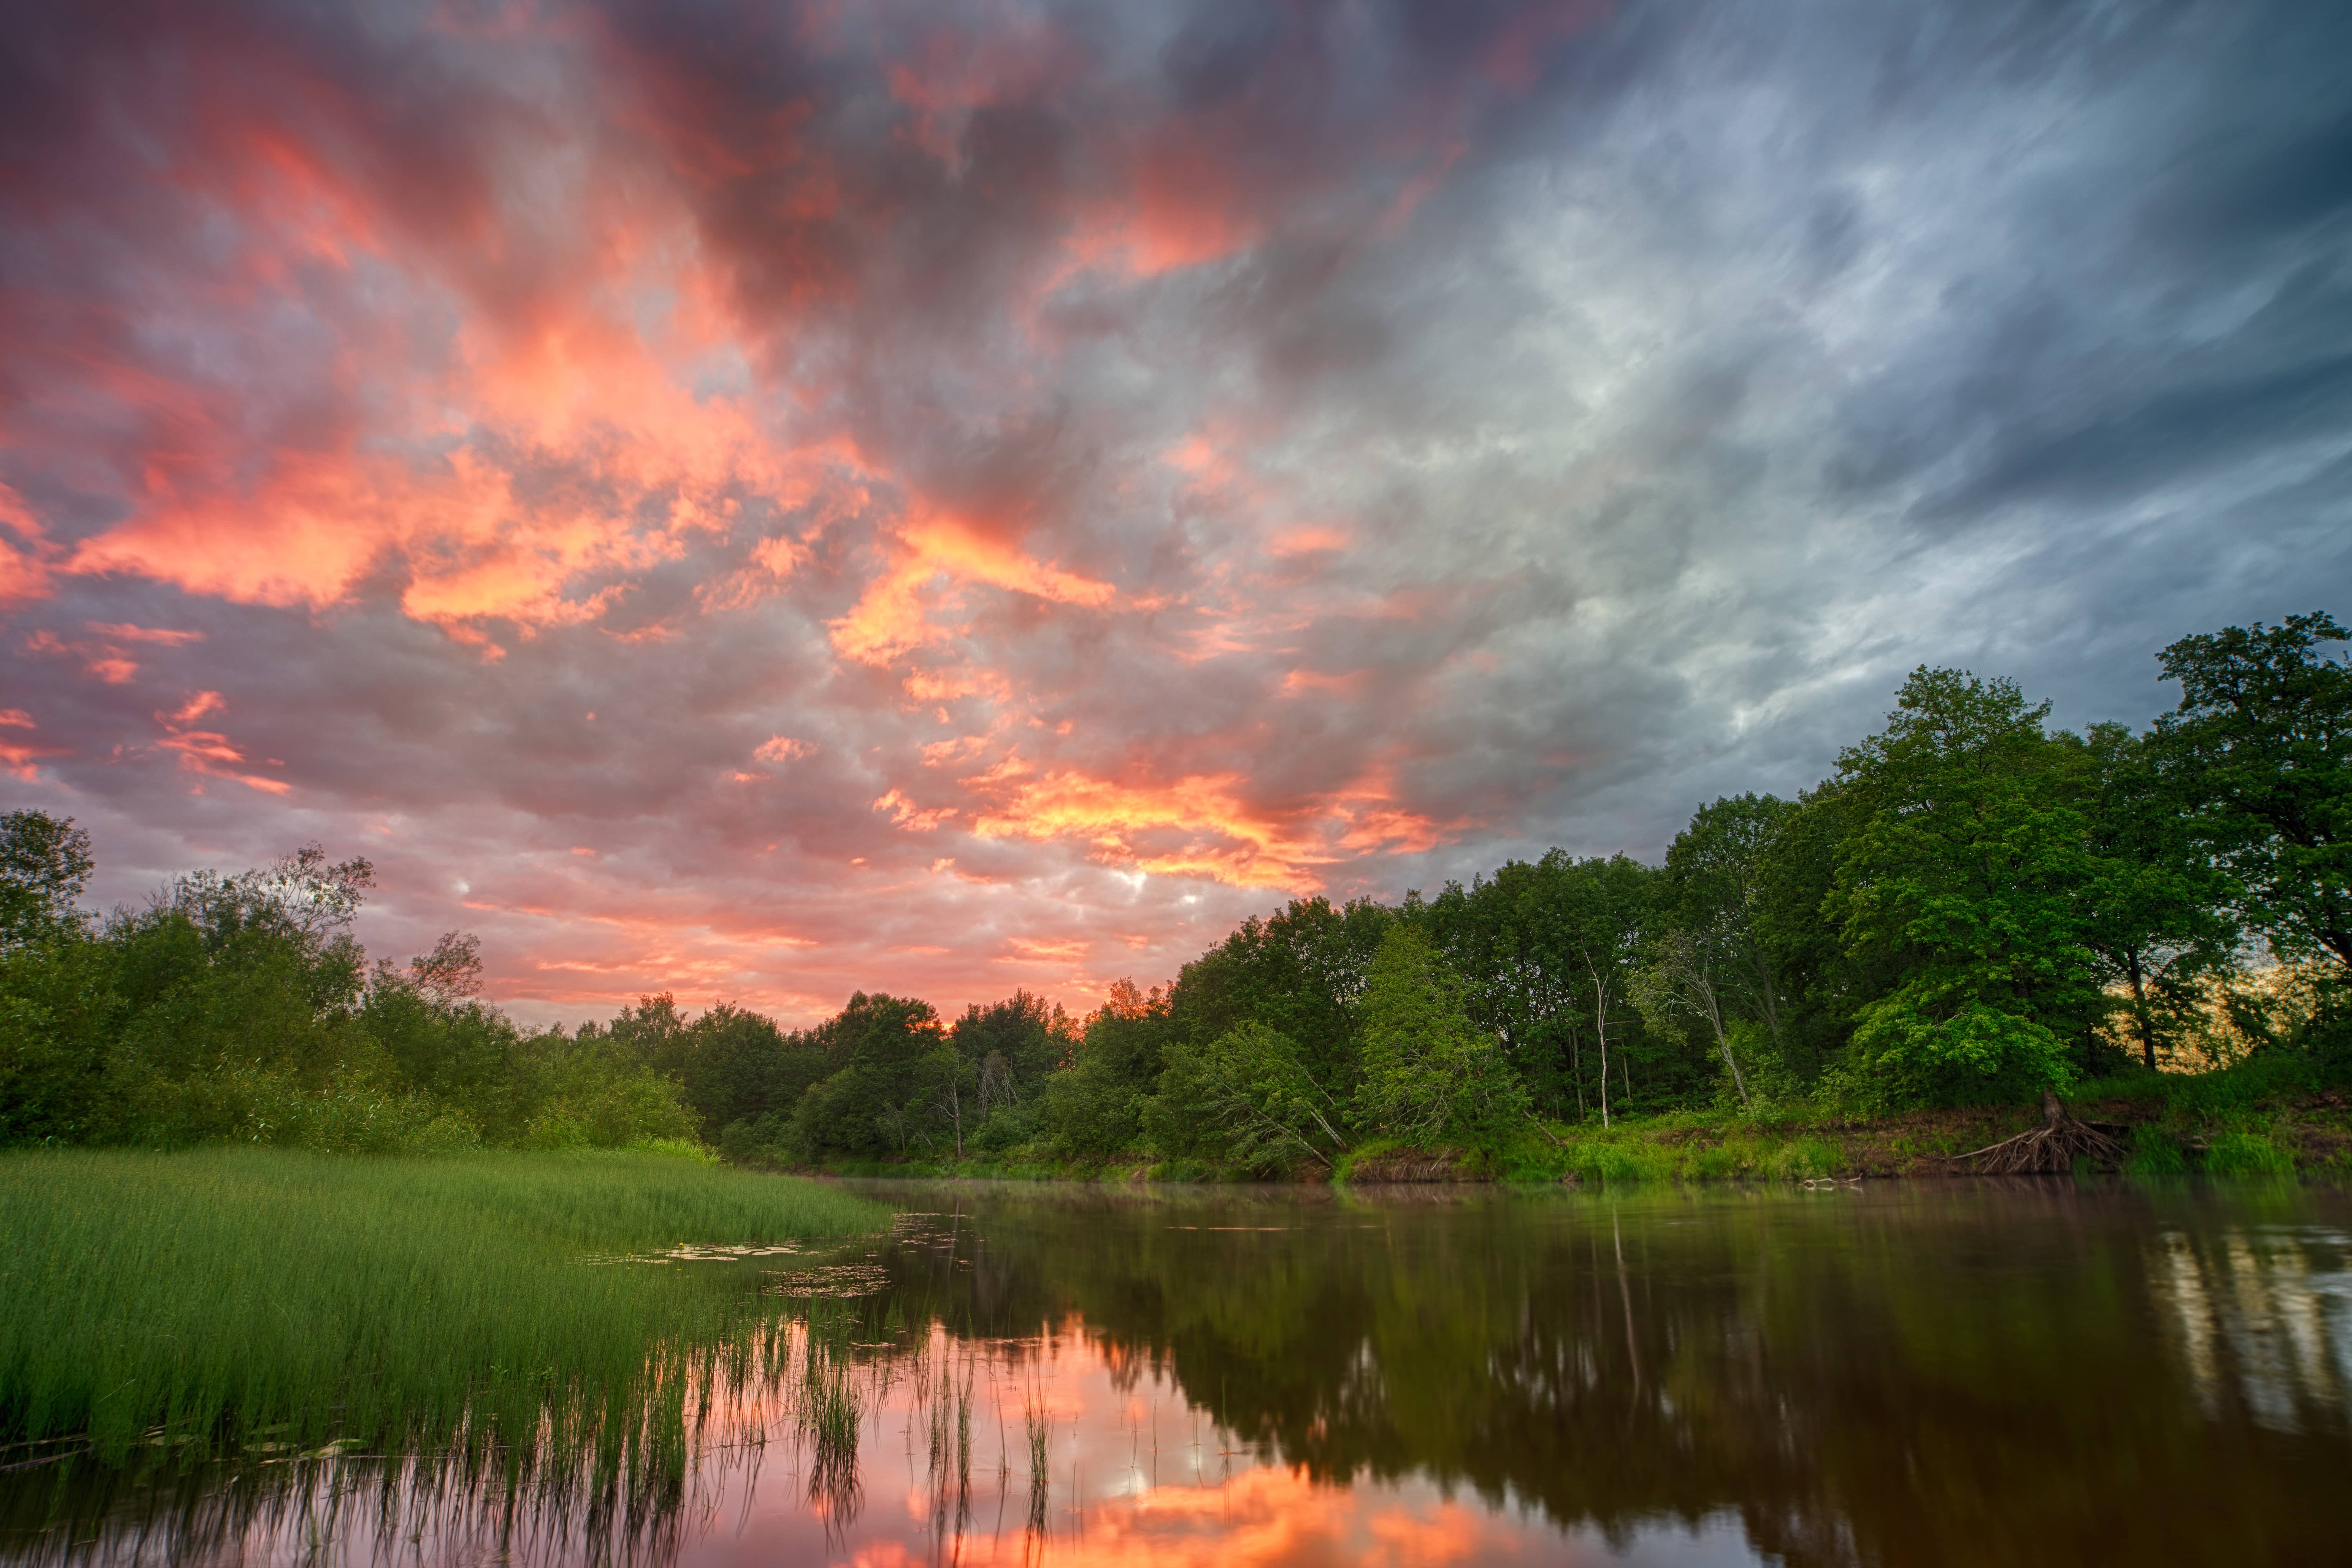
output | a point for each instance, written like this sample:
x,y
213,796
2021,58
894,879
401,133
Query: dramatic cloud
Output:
x,y
764,500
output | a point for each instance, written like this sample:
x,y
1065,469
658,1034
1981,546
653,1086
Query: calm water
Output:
x,y
1929,1373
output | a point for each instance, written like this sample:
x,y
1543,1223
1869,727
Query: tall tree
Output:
x,y
1298,972
1716,894
1607,907
1969,872
2160,915
1507,935
45,863
1430,1074
2262,747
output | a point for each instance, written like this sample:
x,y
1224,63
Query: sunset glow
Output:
x,y
767,501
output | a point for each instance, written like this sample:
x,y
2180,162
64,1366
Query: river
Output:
x,y
2036,1371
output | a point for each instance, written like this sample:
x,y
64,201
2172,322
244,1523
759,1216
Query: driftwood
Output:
x,y
2054,1145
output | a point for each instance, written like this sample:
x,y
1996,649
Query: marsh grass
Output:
x,y
265,1303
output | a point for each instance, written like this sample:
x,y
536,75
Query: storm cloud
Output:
x,y
760,500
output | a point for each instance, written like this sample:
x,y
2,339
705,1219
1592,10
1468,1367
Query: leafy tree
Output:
x,y
2159,917
1823,980
1030,1037
1509,937
1716,891
1094,1107
45,863
2261,746
1430,1075
1684,979
1608,906
872,1102
59,1016
1967,873
1247,1097
1298,972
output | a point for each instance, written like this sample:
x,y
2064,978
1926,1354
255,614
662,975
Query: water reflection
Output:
x,y
2263,1316
2027,1373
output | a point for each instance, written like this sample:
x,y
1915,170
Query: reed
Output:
x,y
1041,1431
226,1300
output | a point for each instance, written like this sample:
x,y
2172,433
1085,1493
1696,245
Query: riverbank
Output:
x,y
2252,1120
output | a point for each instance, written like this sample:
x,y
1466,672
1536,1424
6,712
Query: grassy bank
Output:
x,y
2276,1118
222,1297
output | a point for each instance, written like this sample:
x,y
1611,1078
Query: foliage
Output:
x,y
2160,919
1246,1098
2262,747
1967,873
1430,1075
45,863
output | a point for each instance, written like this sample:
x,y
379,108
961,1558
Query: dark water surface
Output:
x,y
1916,1373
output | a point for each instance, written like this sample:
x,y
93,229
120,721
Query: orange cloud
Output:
x,y
104,661
893,617
1310,538
128,633
1202,825
24,571
906,814
1195,826
19,758
208,752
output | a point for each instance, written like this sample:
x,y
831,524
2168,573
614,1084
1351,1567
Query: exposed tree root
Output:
x,y
2056,1145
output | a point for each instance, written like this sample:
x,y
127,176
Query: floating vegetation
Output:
x,y
839,1280
700,1252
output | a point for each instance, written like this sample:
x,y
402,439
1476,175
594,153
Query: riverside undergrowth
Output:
x,y
2277,1116
220,1300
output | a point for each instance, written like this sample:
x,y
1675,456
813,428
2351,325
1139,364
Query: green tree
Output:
x,y
1029,1036
1968,876
873,1101
1247,1098
1716,892
45,863
1608,906
1093,1107
1298,972
1509,937
2260,747
1430,1075
2159,917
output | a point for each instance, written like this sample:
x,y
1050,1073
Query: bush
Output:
x,y
1429,1075
1008,1127
1901,1057
1091,1112
1246,1099
611,1112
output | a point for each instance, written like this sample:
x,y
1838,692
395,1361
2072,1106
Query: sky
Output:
x,y
762,502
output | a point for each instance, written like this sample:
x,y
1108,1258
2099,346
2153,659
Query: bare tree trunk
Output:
x,y
1723,1044
1601,1025
2140,1011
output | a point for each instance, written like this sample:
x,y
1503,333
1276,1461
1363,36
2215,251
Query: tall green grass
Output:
x,y
222,1299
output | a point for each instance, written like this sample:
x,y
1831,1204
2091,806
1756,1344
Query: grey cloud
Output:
x,y
1731,362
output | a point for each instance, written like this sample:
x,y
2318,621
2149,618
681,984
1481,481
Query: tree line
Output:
x,y
1972,907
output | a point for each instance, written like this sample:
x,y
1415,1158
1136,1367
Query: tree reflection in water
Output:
x,y
2030,1372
